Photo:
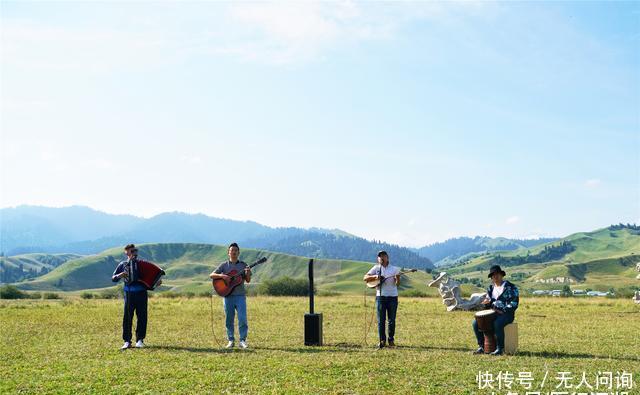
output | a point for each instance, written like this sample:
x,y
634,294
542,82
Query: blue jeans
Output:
x,y
233,303
386,308
500,322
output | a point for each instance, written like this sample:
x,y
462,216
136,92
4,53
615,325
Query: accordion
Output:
x,y
146,273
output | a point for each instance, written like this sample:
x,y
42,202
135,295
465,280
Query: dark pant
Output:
x,y
134,302
386,308
500,322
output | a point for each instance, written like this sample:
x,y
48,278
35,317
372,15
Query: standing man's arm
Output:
x,y
371,275
118,273
247,274
217,274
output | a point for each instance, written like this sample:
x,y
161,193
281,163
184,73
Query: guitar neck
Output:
x,y
256,263
399,274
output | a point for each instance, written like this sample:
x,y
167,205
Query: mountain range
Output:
x,y
82,230
75,247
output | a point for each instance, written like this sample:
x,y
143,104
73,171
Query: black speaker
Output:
x,y
313,329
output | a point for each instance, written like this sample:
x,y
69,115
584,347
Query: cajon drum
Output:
x,y
511,338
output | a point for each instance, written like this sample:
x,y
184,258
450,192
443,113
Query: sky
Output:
x,y
405,122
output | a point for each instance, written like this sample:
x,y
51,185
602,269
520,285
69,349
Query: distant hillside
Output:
x,y
83,230
332,246
28,229
188,267
448,252
21,267
599,260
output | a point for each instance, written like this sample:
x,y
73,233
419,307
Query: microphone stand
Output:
x,y
379,303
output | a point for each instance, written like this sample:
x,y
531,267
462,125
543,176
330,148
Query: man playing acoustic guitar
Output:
x,y
386,296
236,300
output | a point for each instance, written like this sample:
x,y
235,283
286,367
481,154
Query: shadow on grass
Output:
x,y
201,349
326,348
537,354
354,347
552,354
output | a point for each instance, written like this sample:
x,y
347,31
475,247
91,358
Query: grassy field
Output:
x,y
71,345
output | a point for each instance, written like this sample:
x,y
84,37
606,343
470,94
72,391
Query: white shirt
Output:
x,y
497,290
388,287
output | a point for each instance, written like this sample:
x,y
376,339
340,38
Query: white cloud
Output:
x,y
27,44
264,32
512,220
191,159
101,164
289,32
592,183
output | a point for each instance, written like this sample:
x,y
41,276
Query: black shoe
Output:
x,y
480,350
381,344
498,351
392,343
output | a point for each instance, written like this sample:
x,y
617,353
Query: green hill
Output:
x,y
452,251
187,268
21,267
599,260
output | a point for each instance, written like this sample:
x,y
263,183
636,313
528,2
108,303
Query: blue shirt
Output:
x,y
128,287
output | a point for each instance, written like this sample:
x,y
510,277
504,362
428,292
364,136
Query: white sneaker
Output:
x,y
243,344
139,344
229,345
125,345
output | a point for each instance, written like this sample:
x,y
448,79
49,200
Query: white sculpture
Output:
x,y
450,291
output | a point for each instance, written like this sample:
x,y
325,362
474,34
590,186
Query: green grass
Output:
x,y
71,346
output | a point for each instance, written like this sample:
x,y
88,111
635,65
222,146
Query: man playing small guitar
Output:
x,y
236,300
386,296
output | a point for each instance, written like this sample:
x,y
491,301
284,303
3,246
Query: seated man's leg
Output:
x,y
479,334
501,321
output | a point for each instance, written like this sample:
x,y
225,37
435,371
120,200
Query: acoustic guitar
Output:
x,y
375,283
224,288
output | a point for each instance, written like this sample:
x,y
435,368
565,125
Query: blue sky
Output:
x,y
406,122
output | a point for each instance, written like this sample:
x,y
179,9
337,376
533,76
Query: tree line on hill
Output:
x,y
332,246
622,226
453,249
549,253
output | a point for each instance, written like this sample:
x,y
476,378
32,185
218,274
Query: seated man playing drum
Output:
x,y
503,298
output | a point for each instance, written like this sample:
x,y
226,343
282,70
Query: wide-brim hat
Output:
x,y
496,269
